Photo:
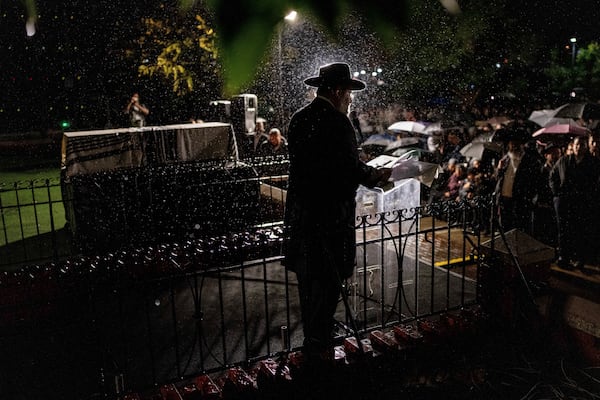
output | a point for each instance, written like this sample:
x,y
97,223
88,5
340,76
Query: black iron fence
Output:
x,y
32,222
48,220
146,313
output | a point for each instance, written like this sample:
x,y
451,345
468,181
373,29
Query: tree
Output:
x,y
180,52
476,53
584,73
246,28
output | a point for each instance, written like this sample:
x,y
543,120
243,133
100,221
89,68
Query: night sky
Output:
x,y
74,67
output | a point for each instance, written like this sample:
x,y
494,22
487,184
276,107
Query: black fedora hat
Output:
x,y
516,134
333,75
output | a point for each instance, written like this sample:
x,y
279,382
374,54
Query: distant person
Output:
x,y
569,149
356,124
468,186
434,148
451,148
452,189
260,134
594,143
519,180
545,216
439,186
136,111
574,183
275,144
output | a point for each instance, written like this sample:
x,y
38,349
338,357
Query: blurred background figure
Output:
x,y
356,124
519,179
274,145
260,134
594,143
545,217
574,184
136,111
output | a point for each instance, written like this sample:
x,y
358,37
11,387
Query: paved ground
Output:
x,y
510,357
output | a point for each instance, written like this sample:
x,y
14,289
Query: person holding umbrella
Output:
x,y
324,173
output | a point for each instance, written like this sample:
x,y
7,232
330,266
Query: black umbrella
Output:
x,y
578,110
476,149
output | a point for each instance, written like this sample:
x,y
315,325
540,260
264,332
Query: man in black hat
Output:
x,y
519,181
324,173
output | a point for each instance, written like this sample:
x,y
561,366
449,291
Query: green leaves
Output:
x,y
247,27
176,52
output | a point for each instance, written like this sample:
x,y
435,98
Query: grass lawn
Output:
x,y
9,177
30,208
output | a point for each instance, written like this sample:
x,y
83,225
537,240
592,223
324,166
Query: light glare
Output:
x,y
30,27
291,16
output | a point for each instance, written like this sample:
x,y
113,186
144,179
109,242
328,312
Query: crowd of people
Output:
x,y
547,188
535,186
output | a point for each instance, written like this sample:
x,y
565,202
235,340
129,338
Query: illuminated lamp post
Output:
x,y
290,17
573,41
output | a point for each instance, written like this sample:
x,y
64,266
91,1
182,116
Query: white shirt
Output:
x,y
509,174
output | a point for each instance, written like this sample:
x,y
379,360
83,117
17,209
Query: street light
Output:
x,y
290,17
573,40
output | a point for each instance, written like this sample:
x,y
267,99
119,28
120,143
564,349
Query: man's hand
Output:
x,y
384,177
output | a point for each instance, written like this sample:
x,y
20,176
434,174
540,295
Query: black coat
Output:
x,y
577,181
325,172
528,182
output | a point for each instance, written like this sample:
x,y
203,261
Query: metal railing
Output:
x,y
32,221
48,220
145,314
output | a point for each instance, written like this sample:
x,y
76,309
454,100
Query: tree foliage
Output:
x,y
178,51
432,47
582,75
463,55
246,27
435,46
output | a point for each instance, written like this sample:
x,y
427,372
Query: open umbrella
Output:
x,y
407,126
433,128
476,149
570,129
403,169
437,128
578,110
425,172
402,142
494,121
379,139
406,153
546,117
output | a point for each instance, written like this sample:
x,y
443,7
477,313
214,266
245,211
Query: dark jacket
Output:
x,y
325,172
267,149
527,183
568,179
